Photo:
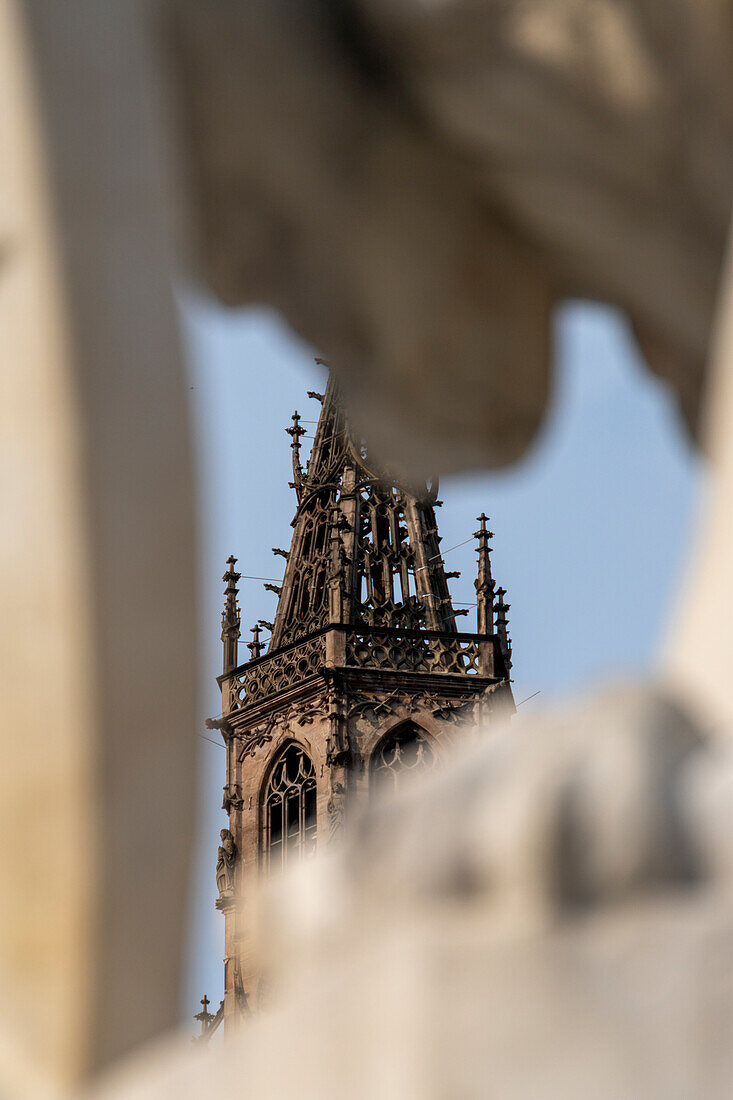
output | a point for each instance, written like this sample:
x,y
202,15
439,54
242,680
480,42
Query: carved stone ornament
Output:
x,y
363,704
226,864
304,715
223,725
252,740
336,806
375,707
298,714
232,799
337,754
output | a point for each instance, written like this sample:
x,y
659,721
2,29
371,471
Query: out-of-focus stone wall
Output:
x,y
97,591
414,185
549,917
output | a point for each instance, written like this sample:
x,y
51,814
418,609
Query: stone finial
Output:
x,y
502,625
295,433
230,618
255,646
205,1018
484,583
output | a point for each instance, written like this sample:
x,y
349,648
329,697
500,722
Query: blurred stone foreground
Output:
x,y
551,917
414,185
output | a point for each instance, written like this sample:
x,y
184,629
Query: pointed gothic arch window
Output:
x,y
403,750
289,808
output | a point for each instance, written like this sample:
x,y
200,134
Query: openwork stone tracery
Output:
x,y
289,819
365,679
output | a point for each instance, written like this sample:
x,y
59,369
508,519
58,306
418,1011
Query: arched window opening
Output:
x,y
320,536
304,600
307,539
319,589
404,750
290,809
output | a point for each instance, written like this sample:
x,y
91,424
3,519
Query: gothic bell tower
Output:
x,y
365,677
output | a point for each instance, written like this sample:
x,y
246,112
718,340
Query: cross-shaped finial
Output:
x,y
484,583
230,620
204,1017
231,575
296,431
255,646
483,533
501,609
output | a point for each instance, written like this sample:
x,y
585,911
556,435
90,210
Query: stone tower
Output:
x,y
365,677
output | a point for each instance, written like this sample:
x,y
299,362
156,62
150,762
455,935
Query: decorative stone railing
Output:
x,y
381,648
273,673
414,651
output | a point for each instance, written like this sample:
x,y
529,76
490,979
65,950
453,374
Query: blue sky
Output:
x,y
591,528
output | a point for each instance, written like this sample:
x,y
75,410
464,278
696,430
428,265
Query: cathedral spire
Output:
x,y
365,547
365,677
484,583
230,619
